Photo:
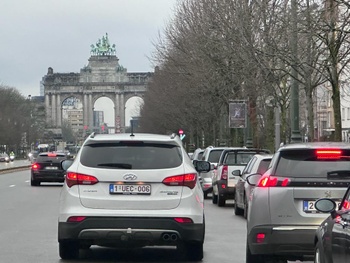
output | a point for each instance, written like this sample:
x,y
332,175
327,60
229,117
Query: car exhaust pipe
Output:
x,y
173,237
166,237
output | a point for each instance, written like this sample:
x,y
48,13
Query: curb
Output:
x,y
14,169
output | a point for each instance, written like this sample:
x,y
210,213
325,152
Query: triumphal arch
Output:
x,y
102,77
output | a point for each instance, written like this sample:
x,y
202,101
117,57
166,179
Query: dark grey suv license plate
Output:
x,y
130,189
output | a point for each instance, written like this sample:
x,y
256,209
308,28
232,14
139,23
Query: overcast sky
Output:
x,y
38,34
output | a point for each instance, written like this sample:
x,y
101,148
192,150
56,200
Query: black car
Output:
x,y
332,241
47,168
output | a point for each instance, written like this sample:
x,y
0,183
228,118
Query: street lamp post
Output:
x,y
295,136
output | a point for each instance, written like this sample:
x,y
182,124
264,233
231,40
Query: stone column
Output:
x,y
117,113
59,111
48,109
54,119
86,111
122,111
91,114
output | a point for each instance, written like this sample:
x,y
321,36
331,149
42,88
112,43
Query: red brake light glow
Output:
x,y
76,218
188,180
260,237
346,204
328,154
51,155
183,220
80,179
271,181
35,166
224,172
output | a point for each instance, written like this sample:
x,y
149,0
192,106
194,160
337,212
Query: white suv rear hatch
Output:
x,y
146,172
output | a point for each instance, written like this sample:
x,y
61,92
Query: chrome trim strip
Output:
x,y
292,228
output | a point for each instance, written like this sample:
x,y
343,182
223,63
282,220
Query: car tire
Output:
x,y
221,200
245,211
319,255
69,249
238,211
214,198
192,251
34,182
250,258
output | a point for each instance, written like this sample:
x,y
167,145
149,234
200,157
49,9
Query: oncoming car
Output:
x,y
4,157
132,190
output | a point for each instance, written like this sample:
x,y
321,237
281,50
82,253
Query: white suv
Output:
x,y
132,190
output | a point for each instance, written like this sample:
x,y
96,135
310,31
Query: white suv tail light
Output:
x,y
80,179
188,180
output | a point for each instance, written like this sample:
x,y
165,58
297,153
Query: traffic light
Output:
x,y
181,133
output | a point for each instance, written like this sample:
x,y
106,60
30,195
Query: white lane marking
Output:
x,y
12,185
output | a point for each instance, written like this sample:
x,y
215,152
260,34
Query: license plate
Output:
x,y
51,168
130,189
309,206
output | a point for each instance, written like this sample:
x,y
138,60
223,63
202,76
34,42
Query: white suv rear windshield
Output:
x,y
131,155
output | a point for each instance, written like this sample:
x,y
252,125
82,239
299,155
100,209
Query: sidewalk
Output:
x,y
14,166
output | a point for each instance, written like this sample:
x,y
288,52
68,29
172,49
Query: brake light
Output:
x,y
51,155
80,179
271,181
76,218
183,220
35,166
224,172
328,154
346,204
188,180
260,237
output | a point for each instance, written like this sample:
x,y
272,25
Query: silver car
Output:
x,y
132,190
282,218
255,167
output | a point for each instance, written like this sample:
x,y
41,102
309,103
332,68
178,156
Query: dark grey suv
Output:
x,y
282,218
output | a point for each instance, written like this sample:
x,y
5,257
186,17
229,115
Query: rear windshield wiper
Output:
x,y
340,174
116,165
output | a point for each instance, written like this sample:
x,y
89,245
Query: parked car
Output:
x,y
224,180
211,154
132,190
332,239
256,166
47,167
282,218
4,157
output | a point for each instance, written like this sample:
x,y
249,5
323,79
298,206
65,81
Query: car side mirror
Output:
x,y
66,164
325,205
202,166
236,173
253,179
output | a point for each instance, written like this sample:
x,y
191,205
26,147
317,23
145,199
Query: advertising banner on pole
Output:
x,y
237,114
